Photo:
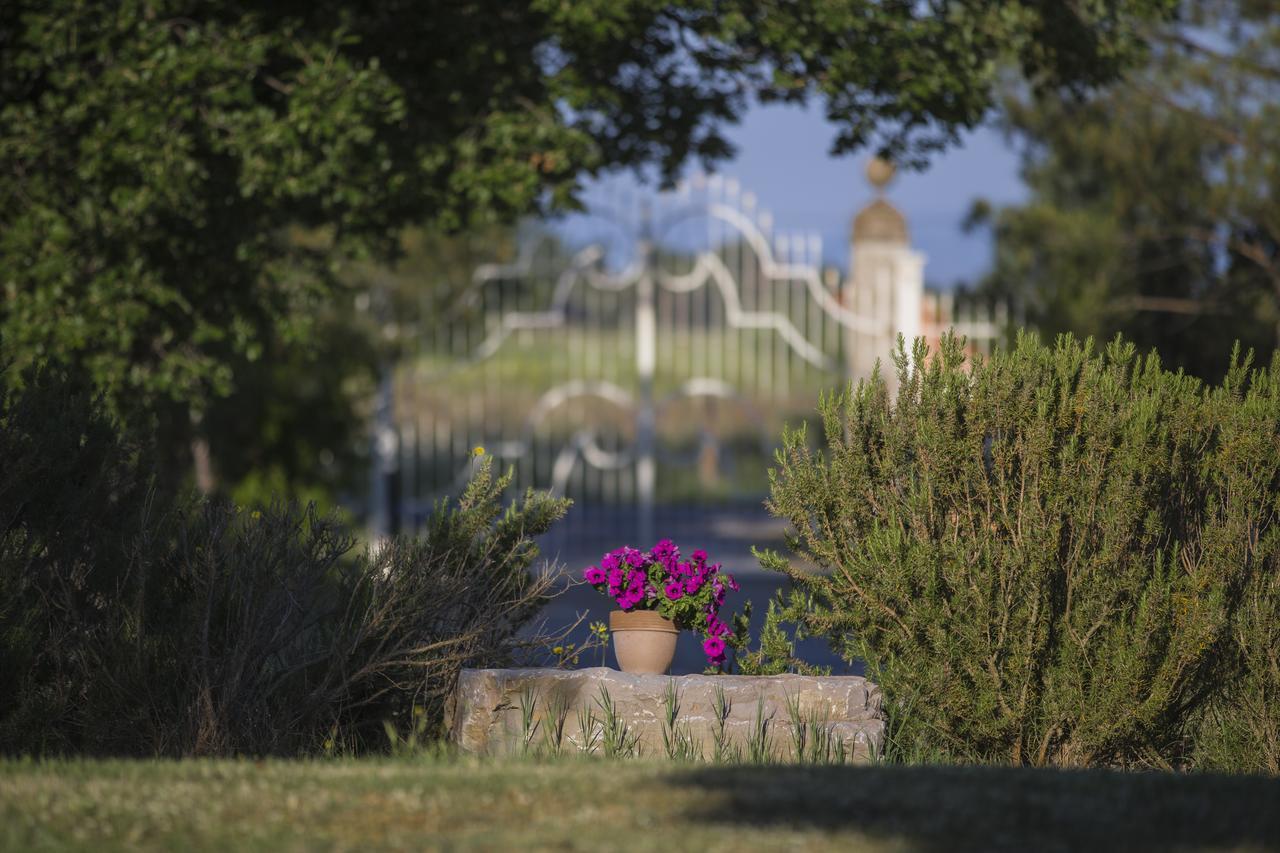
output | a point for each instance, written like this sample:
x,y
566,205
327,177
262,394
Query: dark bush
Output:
x,y
1052,556
272,642
70,505
131,624
418,610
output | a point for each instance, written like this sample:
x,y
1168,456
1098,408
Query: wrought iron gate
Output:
x,y
659,365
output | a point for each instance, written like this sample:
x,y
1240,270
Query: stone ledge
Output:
x,y
486,714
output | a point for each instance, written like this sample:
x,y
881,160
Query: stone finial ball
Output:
x,y
880,172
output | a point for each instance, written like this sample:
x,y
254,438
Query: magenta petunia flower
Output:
x,y
665,549
643,579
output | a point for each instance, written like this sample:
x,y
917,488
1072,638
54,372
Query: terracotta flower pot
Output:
x,y
643,640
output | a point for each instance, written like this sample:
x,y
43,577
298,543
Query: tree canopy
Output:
x,y
1155,204
153,151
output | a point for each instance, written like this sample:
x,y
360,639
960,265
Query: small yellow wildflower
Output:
x,y
557,650
477,451
256,514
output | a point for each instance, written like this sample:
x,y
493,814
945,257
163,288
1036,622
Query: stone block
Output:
x,y
838,716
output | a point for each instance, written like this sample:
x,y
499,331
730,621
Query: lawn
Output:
x,y
592,805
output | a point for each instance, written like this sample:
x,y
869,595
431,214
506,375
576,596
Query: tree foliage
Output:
x,y
1054,556
152,151
1155,204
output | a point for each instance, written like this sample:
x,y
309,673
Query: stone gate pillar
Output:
x,y
885,283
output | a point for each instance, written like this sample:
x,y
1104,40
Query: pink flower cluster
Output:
x,y
688,592
624,570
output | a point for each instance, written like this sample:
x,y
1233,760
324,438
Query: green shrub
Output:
x,y
294,645
1052,556
132,624
420,609
1241,729
775,653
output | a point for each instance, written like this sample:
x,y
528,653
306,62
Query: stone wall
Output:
x,y
601,710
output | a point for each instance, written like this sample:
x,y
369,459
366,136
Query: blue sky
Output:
x,y
782,158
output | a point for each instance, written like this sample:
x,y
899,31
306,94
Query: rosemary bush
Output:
x,y
1052,556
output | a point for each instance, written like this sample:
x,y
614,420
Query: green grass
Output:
x,y
591,805
529,364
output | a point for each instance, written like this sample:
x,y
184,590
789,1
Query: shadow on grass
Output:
x,y
996,808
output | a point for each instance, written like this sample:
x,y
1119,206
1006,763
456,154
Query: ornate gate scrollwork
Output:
x,y
639,379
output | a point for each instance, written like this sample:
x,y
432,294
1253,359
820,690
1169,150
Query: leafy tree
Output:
x,y
153,151
295,419
1154,205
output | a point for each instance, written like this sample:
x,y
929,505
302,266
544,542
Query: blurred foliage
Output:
x,y
295,421
153,153
1155,205
136,622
